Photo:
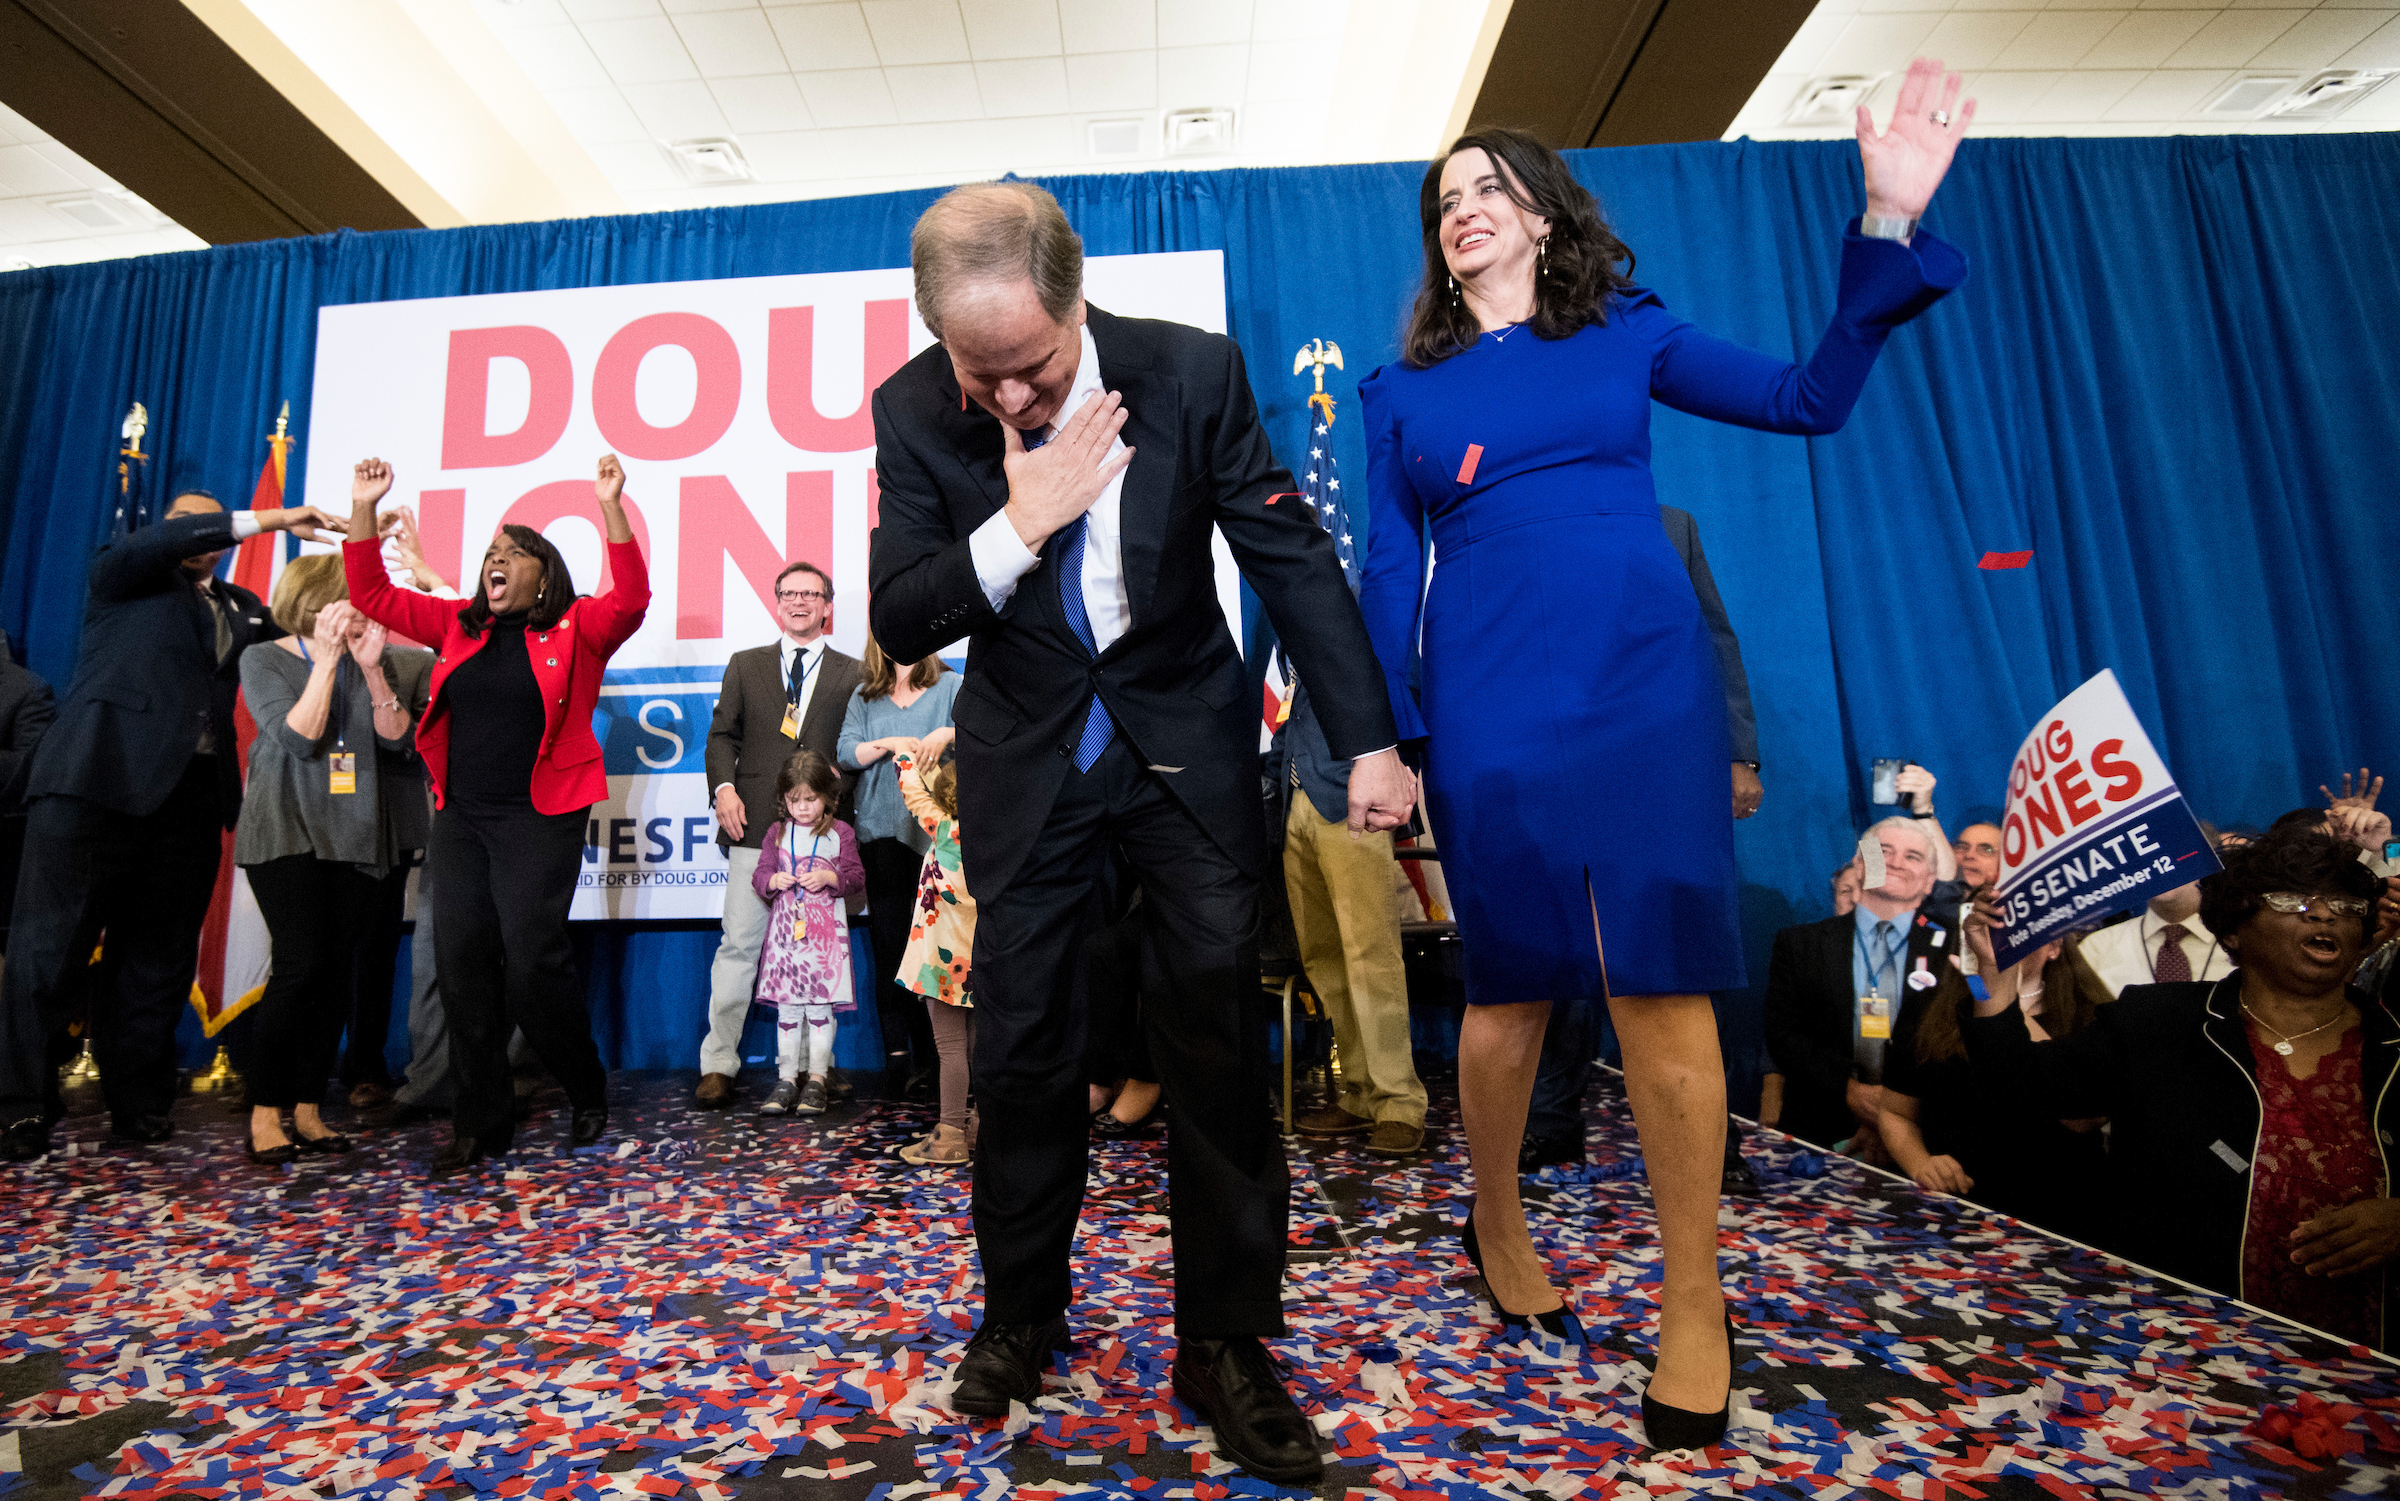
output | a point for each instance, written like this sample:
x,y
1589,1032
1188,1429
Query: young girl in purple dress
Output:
x,y
807,863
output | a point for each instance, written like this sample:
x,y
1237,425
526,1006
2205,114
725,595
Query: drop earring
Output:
x,y
1542,252
1454,291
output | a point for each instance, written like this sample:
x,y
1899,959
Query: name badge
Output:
x,y
1874,1017
344,776
800,929
791,721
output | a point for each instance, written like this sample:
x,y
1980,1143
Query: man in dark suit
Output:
x,y
1050,478
130,792
1834,989
775,699
26,708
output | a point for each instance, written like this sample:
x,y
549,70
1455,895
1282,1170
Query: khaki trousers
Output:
x,y
1346,913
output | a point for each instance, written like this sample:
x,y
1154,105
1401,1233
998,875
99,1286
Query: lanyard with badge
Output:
x,y
343,779
1874,1008
793,858
796,687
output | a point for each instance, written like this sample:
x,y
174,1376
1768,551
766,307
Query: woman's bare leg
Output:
x,y
1499,1048
1675,1080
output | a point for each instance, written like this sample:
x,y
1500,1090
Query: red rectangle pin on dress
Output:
x,y
1466,466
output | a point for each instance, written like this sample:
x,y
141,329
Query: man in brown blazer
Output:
x,y
788,695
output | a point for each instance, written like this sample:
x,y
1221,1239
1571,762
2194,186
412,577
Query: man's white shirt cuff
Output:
x,y
245,525
1001,558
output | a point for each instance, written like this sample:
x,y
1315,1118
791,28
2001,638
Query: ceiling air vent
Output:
x,y
709,161
93,211
1831,101
2330,93
1115,138
1199,132
2243,98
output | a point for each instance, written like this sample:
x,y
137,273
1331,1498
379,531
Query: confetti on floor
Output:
x,y
723,1305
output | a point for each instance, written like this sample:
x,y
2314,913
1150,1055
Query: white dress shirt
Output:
x,y
1002,559
785,646
2127,954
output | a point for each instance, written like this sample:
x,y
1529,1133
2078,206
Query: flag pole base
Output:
x,y
83,1068
220,1074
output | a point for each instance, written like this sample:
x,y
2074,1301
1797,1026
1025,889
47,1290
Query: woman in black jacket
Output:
x,y
2251,1115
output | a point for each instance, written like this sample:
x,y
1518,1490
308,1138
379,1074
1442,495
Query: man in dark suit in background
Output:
x,y
1050,478
130,792
775,699
26,708
1834,989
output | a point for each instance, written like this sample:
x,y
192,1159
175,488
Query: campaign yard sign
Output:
x,y
2094,824
741,410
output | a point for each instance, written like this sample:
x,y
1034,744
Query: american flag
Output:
x,y
1321,486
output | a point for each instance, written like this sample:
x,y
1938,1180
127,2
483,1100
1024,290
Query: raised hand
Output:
x,y
367,649
327,642
2363,796
305,522
610,486
370,481
1057,482
1905,162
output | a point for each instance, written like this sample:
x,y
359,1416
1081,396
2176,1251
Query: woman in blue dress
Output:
x,y
1517,424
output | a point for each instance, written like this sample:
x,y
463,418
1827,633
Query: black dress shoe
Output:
x,y
331,1144
274,1156
25,1140
1106,1127
148,1130
1004,1364
590,1125
460,1154
1739,1179
1538,1152
1234,1385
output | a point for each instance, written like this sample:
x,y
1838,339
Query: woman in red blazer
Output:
x,y
507,739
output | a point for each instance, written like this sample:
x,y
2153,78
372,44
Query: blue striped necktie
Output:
x,y
1098,728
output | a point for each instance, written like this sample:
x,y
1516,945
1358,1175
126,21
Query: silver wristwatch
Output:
x,y
1886,226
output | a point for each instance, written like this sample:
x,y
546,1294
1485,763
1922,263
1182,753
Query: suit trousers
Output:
x,y
328,922
891,869
503,880
1227,1188
734,976
144,881
1347,920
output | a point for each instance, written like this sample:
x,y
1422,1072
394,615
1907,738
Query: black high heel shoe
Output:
x,y
1559,1323
1668,1427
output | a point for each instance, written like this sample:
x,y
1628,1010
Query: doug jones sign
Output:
x,y
740,410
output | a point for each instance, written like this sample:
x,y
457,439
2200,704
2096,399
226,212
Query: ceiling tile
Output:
x,y
1193,77
2319,37
768,103
1199,23
818,38
854,97
916,31
1876,44
1972,40
2003,97
731,43
555,57
85,175
2057,39
15,129
2082,95
786,155
1809,44
503,15
2231,38
597,115
1012,28
2173,95
24,170
1301,20
2144,39
1284,130
676,111
1106,25
1023,86
1279,70
700,7
1011,145
1101,81
2382,50
608,10
645,50
935,91
634,166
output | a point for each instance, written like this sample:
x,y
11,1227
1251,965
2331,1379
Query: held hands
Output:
x,y
1057,482
1382,792
2354,1238
929,749
782,880
731,815
818,880
1905,163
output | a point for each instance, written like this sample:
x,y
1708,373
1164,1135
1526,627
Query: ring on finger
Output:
x,y
1941,117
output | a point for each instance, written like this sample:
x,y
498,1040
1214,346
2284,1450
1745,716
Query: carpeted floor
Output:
x,y
724,1305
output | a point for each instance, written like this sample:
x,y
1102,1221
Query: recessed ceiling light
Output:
x,y
2245,97
1199,132
709,161
2330,93
1831,101
1115,137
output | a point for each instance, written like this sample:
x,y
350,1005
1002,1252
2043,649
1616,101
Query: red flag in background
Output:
x,y
232,974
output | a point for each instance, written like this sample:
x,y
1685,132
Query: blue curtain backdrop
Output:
x,y
2172,378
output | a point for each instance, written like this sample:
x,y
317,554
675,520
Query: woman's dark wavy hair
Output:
x,y
2296,857
550,601
2072,995
1583,266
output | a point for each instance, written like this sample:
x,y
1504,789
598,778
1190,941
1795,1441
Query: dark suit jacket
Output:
x,y
745,736
26,708
1683,534
1173,682
147,678
1808,1009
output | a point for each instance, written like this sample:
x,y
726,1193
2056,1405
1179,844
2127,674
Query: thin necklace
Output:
x,y
2284,1044
1500,335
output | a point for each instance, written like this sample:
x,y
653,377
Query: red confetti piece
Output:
x,y
1997,562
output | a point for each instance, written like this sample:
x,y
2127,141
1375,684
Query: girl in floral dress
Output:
x,y
807,863
941,944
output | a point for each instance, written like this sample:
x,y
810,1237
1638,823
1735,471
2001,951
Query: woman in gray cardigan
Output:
x,y
334,812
